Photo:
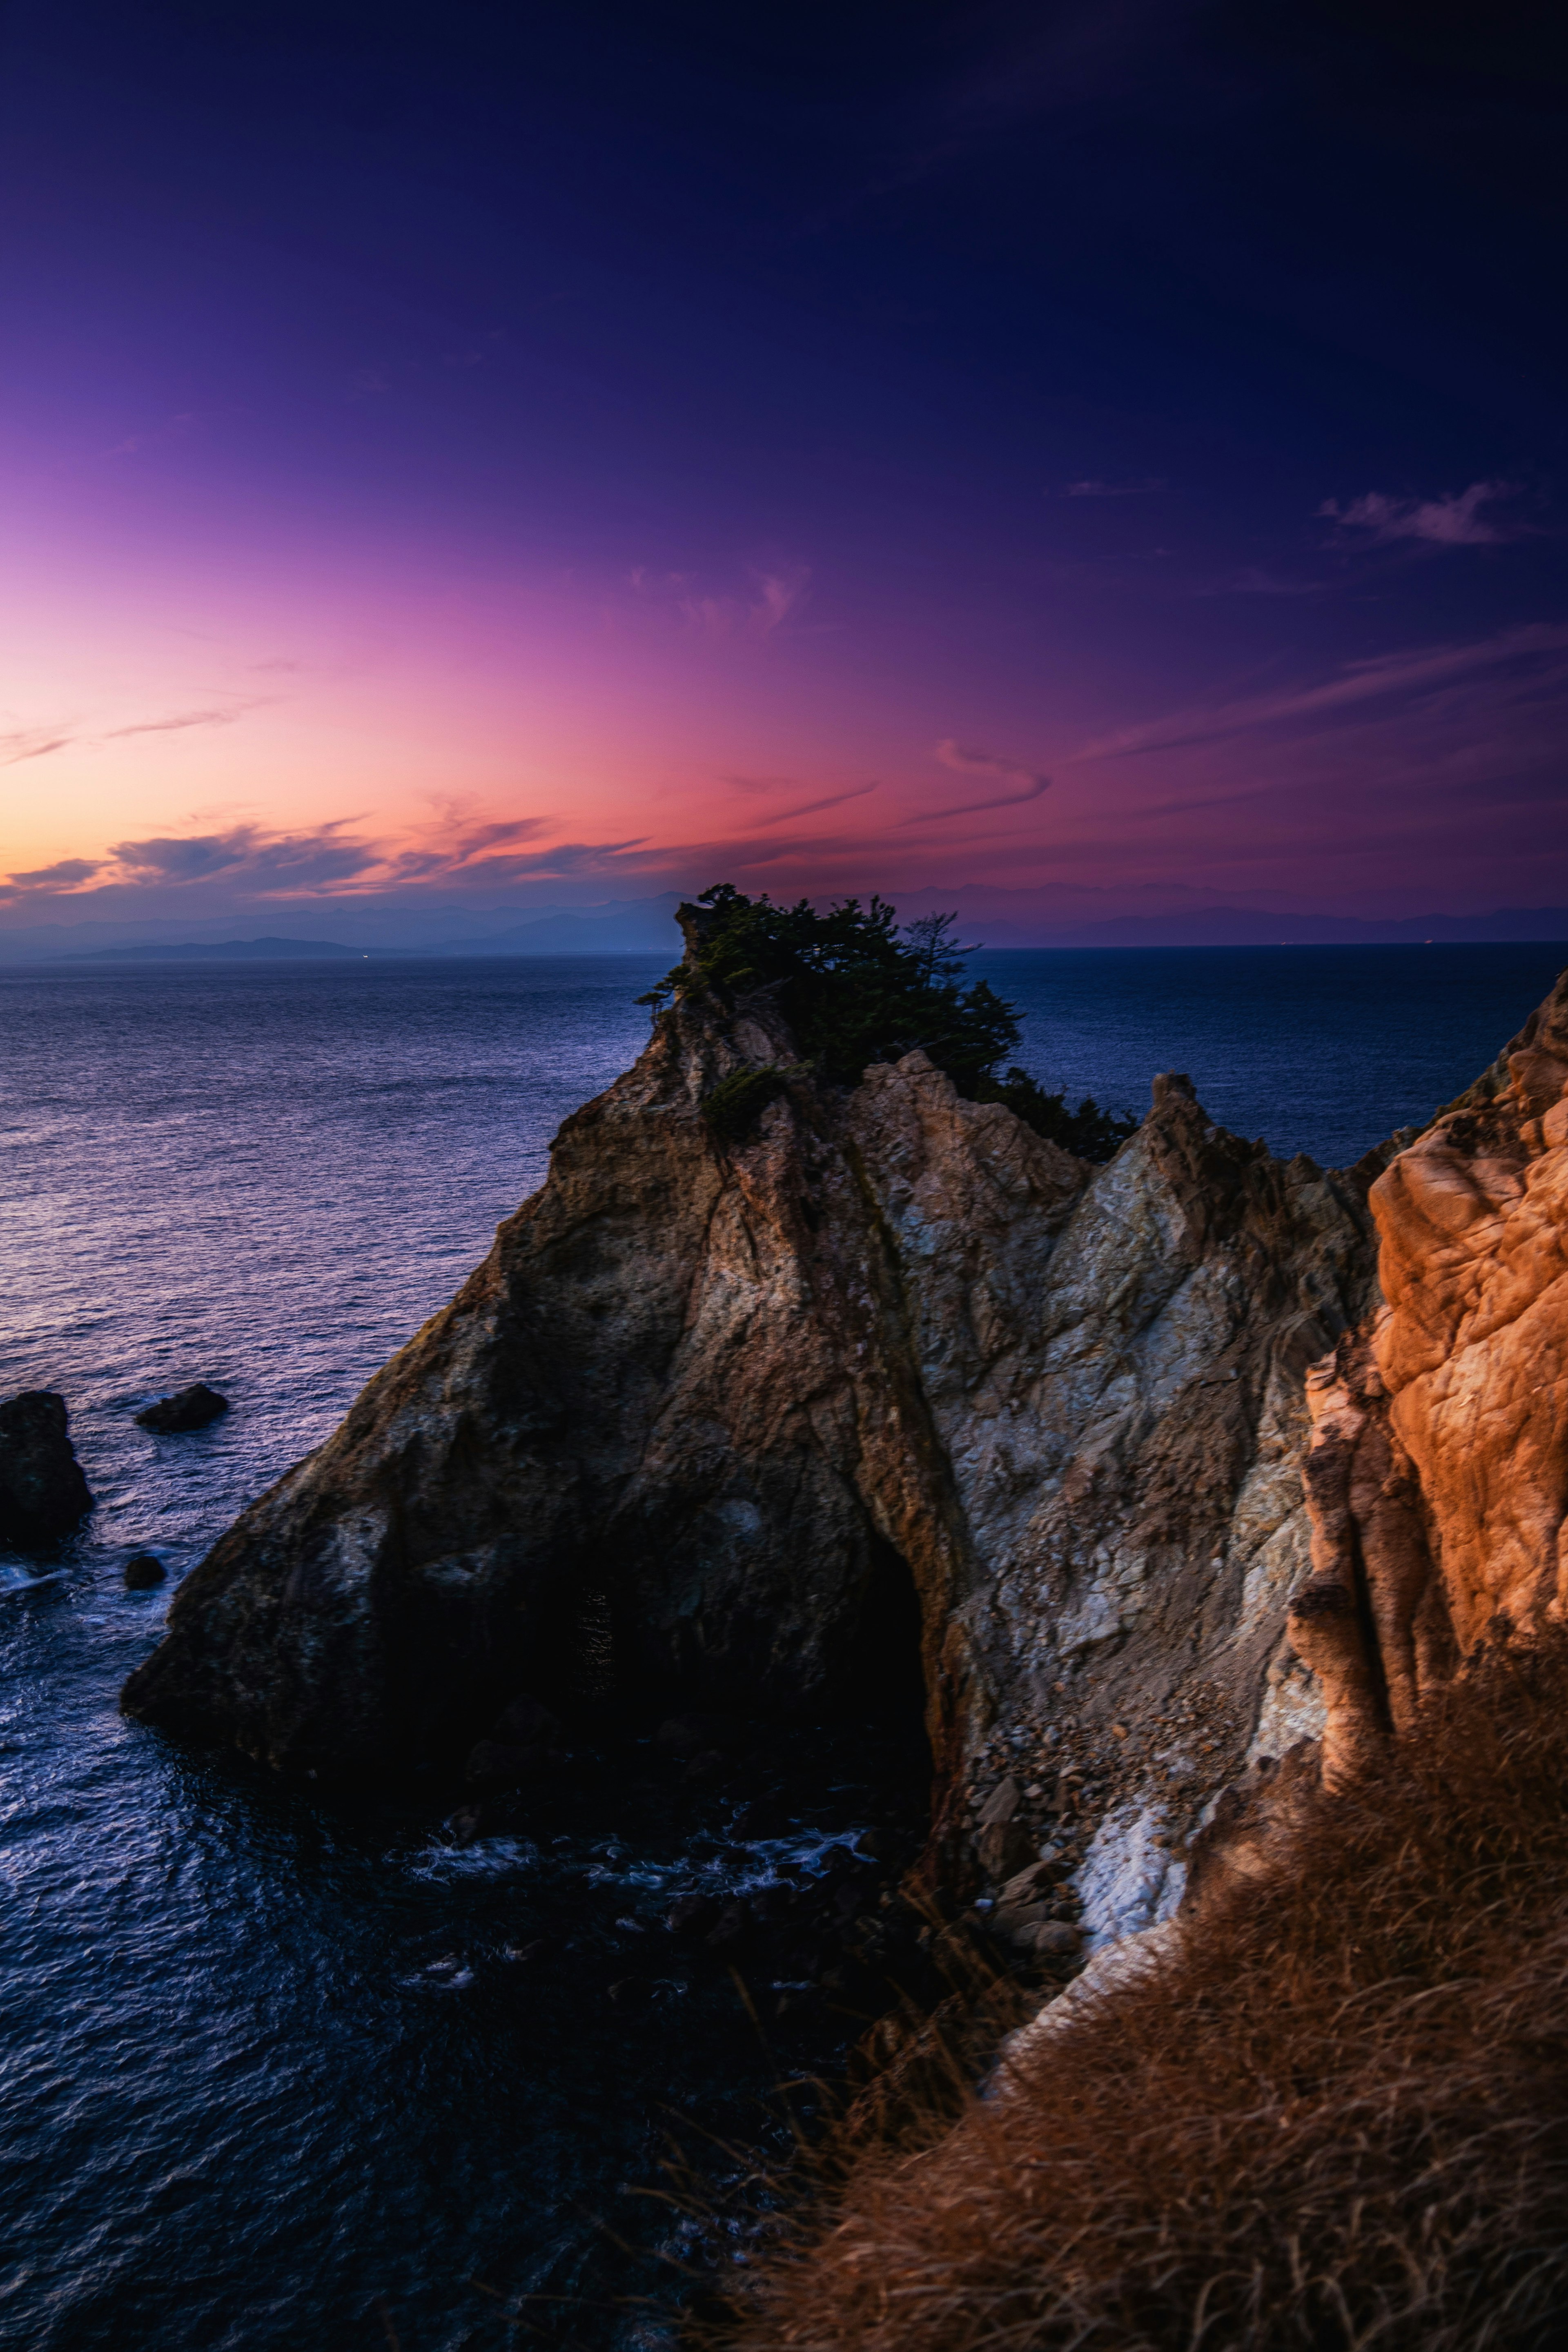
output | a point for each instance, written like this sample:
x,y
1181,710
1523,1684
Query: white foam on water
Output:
x,y
486,1858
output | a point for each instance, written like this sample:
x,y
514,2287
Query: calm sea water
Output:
x,y
272,2070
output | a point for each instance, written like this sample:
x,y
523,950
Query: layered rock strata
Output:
x,y
1437,1476
885,1384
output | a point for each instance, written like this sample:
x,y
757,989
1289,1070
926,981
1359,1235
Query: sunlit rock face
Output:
x,y
887,1383
1438,1473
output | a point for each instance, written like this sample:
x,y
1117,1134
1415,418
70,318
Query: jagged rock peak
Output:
x,y
878,1383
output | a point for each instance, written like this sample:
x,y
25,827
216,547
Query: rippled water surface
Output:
x,y
276,2071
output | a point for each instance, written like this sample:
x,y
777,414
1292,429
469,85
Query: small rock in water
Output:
x,y
466,1824
143,1570
630,1994
187,1409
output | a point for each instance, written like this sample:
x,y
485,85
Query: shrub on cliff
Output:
x,y
1335,2118
853,987
1090,1132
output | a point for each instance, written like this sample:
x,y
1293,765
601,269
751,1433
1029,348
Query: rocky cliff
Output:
x,y
881,1383
1438,1470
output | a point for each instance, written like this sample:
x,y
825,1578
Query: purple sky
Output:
x,y
1106,455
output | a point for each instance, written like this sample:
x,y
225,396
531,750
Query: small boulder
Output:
x,y
1057,1939
143,1570
1018,1923
187,1409
1003,1848
1002,1804
1033,1878
43,1493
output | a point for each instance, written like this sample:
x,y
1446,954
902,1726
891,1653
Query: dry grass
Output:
x,y
1337,2117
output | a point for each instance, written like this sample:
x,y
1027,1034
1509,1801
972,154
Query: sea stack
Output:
x,y
43,1493
878,1381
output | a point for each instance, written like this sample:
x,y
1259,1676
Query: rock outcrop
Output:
x,y
882,1386
1438,1472
187,1409
43,1493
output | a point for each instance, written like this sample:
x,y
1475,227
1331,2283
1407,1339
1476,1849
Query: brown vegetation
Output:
x,y
1335,2116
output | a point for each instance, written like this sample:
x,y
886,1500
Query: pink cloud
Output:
x,y
1030,785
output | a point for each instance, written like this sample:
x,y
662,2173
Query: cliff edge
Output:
x,y
1438,1472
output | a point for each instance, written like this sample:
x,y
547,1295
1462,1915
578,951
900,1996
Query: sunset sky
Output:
x,y
489,458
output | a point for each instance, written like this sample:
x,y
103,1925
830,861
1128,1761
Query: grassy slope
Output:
x,y
1339,2118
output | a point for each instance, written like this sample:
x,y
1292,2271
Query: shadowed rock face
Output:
x,y
1438,1473
888,1342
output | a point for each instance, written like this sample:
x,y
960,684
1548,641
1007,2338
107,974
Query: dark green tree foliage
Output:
x,y
853,988
1090,1132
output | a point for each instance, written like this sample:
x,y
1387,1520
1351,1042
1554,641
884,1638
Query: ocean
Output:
x,y
282,2069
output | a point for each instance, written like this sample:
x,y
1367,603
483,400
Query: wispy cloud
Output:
x,y
219,715
1419,671
775,596
29,743
810,808
1454,518
1027,782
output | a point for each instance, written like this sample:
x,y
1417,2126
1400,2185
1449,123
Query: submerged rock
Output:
x,y
143,1570
43,1493
888,1396
191,1408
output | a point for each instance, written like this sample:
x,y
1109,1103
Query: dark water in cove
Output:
x,y
283,2070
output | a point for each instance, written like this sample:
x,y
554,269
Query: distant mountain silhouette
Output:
x,y
220,952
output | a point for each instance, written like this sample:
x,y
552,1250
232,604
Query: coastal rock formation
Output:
x,y
43,1493
880,1387
1438,1477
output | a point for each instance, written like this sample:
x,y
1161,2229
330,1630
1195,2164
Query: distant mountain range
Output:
x,y
646,927
220,951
